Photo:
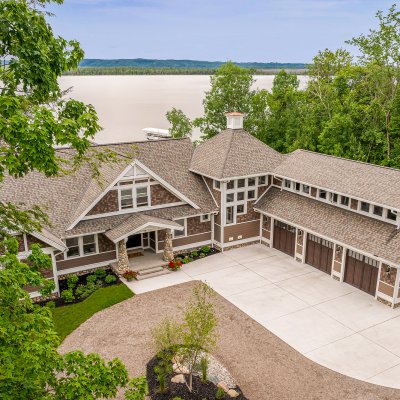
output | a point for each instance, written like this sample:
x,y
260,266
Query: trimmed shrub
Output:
x,y
100,273
194,254
205,249
72,280
110,279
91,279
68,295
50,304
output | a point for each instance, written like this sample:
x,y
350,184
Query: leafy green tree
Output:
x,y
34,118
31,367
180,123
188,341
230,91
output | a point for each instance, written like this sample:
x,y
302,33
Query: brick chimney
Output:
x,y
234,120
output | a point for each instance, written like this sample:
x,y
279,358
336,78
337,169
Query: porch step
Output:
x,y
147,271
163,271
141,268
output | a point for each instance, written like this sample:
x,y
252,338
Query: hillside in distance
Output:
x,y
154,63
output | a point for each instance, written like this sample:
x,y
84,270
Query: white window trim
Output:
x,y
205,218
184,231
80,245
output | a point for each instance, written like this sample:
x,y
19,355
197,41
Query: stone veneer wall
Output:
x,y
159,195
109,203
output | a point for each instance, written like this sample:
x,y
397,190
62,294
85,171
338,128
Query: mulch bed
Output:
x,y
59,302
201,391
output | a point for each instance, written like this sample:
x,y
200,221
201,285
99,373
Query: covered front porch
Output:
x,y
136,242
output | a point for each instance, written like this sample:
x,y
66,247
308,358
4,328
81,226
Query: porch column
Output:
x,y
123,261
168,254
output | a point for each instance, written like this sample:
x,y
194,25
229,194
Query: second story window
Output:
x,y
126,198
391,215
344,201
364,206
142,197
180,233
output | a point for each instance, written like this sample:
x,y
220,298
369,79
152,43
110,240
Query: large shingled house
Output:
x,y
338,215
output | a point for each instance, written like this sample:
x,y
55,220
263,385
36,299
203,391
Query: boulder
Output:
x,y
178,379
180,369
232,393
223,386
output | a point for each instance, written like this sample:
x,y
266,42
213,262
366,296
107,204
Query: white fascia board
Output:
x,y
147,224
167,185
45,239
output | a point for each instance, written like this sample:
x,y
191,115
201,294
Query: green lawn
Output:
x,y
68,318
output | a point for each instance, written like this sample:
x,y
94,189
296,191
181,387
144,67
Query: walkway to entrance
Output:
x,y
332,323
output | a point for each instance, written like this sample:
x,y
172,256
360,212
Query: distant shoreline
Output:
x,y
85,71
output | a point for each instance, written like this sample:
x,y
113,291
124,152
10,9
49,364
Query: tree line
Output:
x,y
350,106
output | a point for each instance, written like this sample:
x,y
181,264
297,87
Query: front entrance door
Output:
x,y
284,237
319,253
361,272
134,241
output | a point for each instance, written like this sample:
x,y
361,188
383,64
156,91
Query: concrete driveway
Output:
x,y
329,322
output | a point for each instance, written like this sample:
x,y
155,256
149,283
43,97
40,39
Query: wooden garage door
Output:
x,y
319,253
284,237
361,272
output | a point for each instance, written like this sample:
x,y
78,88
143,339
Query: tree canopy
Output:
x,y
350,106
34,118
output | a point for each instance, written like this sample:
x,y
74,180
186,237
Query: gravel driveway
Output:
x,y
264,366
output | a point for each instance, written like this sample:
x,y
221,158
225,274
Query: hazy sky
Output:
x,y
239,30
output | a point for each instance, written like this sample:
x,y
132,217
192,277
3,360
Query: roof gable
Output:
x,y
234,153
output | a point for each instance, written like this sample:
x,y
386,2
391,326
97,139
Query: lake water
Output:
x,y
127,104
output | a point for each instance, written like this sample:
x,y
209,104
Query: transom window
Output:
x,y
364,206
81,246
391,215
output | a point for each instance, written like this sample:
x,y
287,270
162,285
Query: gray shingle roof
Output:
x,y
365,181
233,153
366,234
66,197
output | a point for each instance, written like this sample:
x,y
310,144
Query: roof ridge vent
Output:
x,y
234,120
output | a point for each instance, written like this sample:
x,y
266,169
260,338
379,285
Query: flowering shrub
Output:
x,y
175,265
129,275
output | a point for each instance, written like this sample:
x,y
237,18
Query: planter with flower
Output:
x,y
130,275
175,265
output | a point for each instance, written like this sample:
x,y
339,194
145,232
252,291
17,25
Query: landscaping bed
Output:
x,y
201,390
189,256
76,288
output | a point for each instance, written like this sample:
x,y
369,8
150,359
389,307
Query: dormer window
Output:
x,y
323,194
364,206
391,215
344,201
142,197
378,211
134,197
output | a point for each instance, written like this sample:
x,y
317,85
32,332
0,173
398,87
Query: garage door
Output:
x,y
284,237
361,272
319,253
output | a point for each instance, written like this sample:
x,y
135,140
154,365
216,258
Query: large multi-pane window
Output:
x,y
81,246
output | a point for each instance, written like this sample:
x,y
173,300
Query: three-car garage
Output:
x,y
360,271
